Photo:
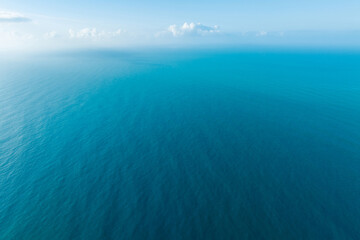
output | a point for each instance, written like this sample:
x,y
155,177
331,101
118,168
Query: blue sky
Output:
x,y
25,23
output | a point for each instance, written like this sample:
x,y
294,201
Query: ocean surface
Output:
x,y
180,144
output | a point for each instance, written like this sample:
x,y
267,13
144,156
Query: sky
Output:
x,y
37,24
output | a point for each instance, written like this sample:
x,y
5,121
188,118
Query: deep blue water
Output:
x,y
180,145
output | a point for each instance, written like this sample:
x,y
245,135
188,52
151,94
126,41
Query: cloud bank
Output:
x,y
12,17
194,29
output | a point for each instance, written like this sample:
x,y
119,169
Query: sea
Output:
x,y
257,143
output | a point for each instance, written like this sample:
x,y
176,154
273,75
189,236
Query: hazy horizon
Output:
x,y
119,24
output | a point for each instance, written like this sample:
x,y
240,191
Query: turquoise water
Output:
x,y
180,145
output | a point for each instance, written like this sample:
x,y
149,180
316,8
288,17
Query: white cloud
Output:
x,y
15,39
117,32
196,29
6,16
51,35
84,33
93,34
15,36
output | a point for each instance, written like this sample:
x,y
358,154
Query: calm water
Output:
x,y
180,145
